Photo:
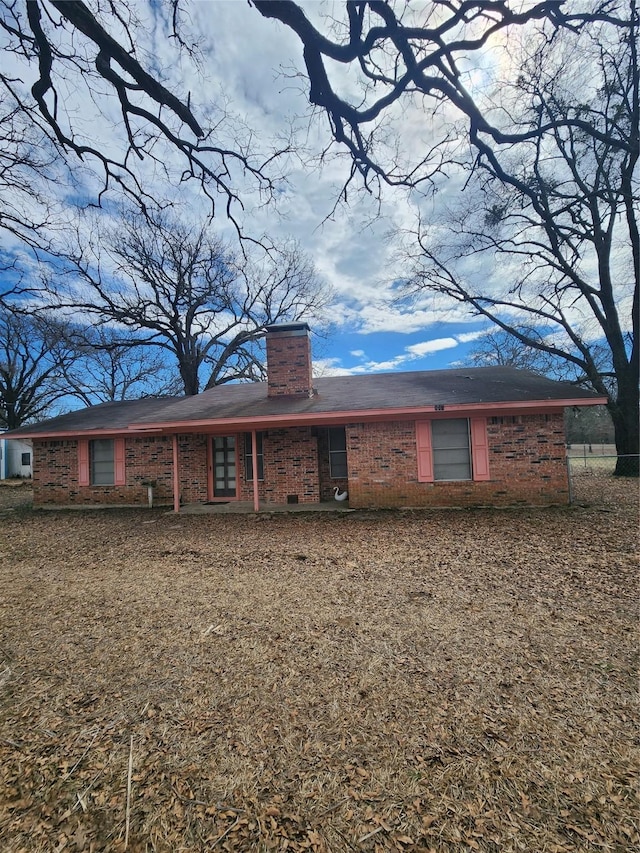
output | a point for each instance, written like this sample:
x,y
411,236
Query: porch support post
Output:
x,y
254,468
176,476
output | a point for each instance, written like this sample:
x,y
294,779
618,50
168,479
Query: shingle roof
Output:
x,y
452,389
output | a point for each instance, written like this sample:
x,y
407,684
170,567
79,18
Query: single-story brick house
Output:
x,y
460,437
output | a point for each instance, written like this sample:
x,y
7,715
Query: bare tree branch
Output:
x,y
33,354
184,292
549,156
69,46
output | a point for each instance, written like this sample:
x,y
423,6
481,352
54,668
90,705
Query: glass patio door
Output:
x,y
224,466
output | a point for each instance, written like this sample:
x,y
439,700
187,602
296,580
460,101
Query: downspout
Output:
x,y
176,476
254,464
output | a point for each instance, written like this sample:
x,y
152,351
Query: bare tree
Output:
x,y
182,290
25,211
586,425
107,367
62,58
500,347
275,287
547,160
401,55
33,355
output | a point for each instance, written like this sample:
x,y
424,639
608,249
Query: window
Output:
x,y
26,459
248,456
101,462
451,449
337,452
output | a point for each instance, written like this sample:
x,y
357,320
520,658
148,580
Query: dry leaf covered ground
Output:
x,y
444,681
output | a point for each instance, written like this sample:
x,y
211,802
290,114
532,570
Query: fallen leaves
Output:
x,y
379,682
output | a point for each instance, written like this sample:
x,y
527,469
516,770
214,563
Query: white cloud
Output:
x,y
410,353
426,347
249,67
328,367
469,337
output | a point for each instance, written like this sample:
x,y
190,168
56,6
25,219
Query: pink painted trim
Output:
x,y
210,484
239,461
425,455
176,476
119,474
83,462
228,426
209,468
254,465
479,449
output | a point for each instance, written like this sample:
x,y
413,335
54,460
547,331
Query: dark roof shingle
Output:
x,y
338,394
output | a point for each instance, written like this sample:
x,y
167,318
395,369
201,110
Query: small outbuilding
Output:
x,y
491,436
15,458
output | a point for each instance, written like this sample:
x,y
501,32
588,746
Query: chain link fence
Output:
x,y
591,472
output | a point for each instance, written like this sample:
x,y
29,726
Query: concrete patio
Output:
x,y
247,508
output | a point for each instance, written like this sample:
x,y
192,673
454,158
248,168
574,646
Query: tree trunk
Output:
x,y
13,418
624,413
190,381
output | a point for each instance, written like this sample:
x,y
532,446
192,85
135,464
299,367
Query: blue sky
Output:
x,y
356,247
249,87
346,351
248,68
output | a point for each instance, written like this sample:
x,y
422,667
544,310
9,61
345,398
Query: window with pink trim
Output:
x,y
452,449
101,462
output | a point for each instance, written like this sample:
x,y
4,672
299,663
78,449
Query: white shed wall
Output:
x,y
13,458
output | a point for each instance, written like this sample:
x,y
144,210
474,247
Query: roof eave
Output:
x,y
371,415
321,418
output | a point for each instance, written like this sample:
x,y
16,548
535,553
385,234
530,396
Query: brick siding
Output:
x,y
193,467
526,461
290,467
55,474
527,465
289,360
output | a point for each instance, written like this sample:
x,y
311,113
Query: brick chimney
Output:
x,y
289,360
